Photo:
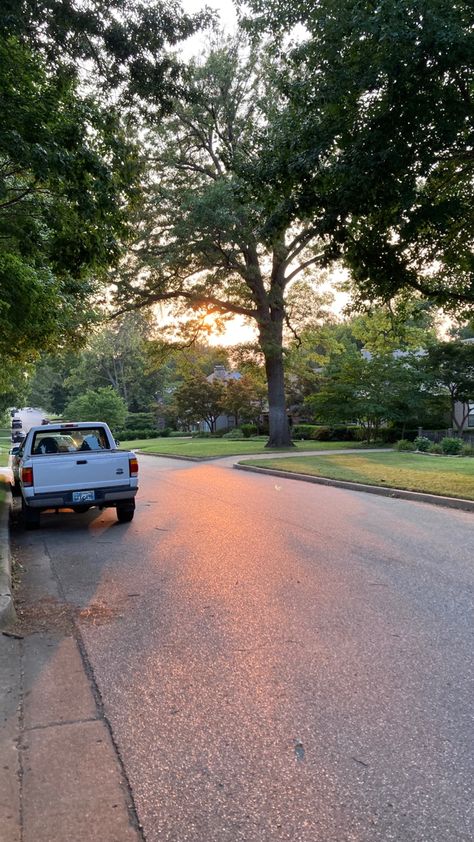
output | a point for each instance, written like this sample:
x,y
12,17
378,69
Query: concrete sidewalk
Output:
x,y
61,777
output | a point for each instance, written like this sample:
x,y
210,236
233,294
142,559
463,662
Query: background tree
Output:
x,y
118,355
207,238
98,405
71,78
371,391
197,399
449,367
374,139
242,400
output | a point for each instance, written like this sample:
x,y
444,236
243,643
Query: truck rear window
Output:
x,y
75,440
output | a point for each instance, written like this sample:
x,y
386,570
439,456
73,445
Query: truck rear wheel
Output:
x,y
125,511
31,517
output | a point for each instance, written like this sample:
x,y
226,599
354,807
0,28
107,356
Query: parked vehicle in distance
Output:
x,y
17,423
18,436
76,466
14,464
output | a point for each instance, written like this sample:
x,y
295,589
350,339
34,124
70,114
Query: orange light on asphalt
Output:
x,y
27,476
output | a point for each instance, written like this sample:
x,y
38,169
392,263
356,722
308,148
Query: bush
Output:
x,y
201,434
129,435
165,432
435,447
404,444
140,421
303,431
236,433
398,431
102,404
422,443
249,430
451,446
178,433
467,450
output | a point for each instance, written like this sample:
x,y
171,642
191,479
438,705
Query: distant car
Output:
x,y
14,463
45,421
18,436
17,424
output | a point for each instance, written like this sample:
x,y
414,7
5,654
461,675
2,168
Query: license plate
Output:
x,y
83,496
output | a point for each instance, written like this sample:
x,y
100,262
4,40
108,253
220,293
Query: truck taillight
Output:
x,y
133,464
27,476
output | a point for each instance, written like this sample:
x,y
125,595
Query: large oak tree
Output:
x,y
212,237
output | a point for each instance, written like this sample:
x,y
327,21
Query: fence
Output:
x,y
437,435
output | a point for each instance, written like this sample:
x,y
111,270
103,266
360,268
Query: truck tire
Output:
x,y
31,517
125,511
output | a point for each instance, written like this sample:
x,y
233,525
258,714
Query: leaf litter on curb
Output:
x,y
50,614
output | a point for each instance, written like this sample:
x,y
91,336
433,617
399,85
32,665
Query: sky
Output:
x,y
227,14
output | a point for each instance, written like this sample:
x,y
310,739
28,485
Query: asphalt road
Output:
x,y
280,661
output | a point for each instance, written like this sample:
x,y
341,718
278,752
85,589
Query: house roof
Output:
x,y
220,373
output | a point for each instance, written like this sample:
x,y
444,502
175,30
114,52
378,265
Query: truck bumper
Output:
x,y
63,500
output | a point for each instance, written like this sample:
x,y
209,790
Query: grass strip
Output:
x,y
202,448
446,476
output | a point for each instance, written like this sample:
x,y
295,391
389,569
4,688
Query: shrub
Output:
x,y
249,430
404,444
236,433
422,443
319,434
451,446
467,450
338,433
127,434
302,431
140,421
435,447
165,432
175,433
201,434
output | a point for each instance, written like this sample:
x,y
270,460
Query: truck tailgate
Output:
x,y
74,471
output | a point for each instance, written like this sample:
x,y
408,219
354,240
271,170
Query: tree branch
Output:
x,y
303,266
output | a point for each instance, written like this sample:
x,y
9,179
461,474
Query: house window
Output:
x,y
470,417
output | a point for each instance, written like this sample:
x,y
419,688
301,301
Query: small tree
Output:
x,y
449,367
197,399
371,392
98,405
241,400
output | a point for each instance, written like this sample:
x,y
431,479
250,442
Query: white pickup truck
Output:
x,y
75,466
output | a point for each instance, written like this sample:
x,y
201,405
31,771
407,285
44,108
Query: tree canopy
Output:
x,y
205,239
374,140
72,75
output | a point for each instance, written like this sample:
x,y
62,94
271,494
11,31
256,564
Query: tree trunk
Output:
x,y
272,347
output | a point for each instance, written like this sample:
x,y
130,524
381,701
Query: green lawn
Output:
x,y
448,476
5,445
222,447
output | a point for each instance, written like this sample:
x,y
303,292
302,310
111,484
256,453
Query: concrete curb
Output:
x,y
7,610
382,491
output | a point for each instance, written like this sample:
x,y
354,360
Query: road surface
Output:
x,y
279,661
